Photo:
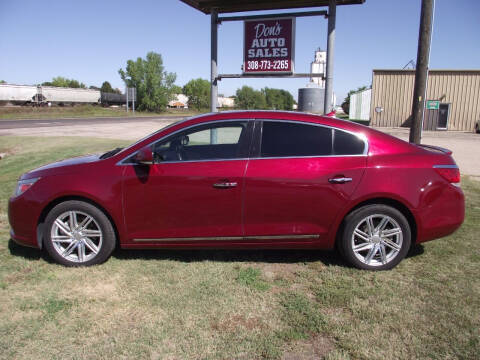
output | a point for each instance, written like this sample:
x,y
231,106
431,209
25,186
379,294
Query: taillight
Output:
x,y
451,173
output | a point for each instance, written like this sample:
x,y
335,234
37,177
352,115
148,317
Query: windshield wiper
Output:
x,y
111,153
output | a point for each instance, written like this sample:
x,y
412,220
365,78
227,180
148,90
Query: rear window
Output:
x,y
284,139
347,144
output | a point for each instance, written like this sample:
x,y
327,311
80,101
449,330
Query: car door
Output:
x,y
299,178
193,191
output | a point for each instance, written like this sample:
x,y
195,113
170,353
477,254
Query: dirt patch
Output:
x,y
105,289
312,349
235,322
18,275
281,271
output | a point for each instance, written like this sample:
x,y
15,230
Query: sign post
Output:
x,y
269,46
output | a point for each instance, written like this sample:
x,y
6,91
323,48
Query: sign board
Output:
x,y
269,46
433,104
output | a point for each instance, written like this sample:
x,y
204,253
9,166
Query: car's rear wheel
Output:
x,y
375,237
78,234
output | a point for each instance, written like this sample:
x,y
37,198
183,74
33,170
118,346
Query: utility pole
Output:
x,y
421,72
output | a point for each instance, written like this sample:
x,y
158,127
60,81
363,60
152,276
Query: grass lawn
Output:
x,y
26,112
233,304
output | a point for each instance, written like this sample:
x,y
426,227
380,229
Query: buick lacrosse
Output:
x,y
247,179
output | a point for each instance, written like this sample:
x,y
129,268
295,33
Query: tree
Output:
x,y
92,87
346,102
60,81
106,87
154,85
176,89
3,82
198,92
278,99
248,98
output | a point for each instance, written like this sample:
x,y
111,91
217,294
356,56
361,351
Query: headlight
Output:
x,y
24,185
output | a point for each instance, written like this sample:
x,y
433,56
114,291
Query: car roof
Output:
x,y
278,115
377,140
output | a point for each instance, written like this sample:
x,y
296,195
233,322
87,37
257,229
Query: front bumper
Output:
x,y
23,214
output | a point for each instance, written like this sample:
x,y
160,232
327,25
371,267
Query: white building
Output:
x,y
180,102
225,102
318,66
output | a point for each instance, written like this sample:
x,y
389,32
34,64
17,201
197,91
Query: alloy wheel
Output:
x,y
76,236
377,240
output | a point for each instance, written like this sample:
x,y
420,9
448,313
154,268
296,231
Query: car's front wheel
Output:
x,y
375,237
78,234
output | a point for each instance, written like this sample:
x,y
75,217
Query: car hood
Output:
x,y
58,166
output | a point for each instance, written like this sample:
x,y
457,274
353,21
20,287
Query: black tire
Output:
x,y
100,229
384,259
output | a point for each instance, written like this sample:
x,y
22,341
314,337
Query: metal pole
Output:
x,y
332,14
421,72
134,95
126,92
213,46
213,71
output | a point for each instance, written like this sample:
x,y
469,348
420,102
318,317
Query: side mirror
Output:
x,y
144,156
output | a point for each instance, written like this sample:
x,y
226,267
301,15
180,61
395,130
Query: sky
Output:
x,y
90,40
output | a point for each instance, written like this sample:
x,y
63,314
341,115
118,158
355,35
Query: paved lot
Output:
x,y
465,146
34,123
113,128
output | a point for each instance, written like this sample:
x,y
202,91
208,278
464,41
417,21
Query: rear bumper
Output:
x,y
443,214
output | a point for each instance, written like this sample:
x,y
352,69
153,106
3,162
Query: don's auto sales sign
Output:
x,y
269,45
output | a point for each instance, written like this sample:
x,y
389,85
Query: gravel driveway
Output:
x,y
465,146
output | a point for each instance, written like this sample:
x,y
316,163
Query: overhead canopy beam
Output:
x,y
273,16
228,6
295,75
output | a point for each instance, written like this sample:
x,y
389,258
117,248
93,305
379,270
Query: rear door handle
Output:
x,y
224,185
339,180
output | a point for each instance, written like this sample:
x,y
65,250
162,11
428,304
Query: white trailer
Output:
x,y
17,94
59,95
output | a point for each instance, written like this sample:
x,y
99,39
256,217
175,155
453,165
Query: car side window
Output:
x,y
286,139
347,144
204,142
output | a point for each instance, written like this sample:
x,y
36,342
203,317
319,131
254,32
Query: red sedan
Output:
x,y
257,179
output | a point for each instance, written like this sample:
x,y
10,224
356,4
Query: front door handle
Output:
x,y
225,185
339,180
